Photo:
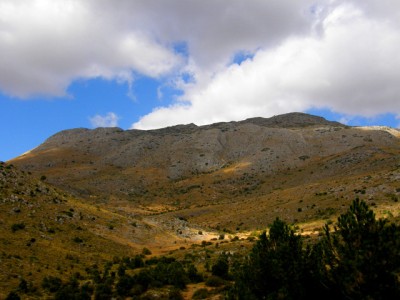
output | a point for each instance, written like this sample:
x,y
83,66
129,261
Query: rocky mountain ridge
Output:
x,y
195,171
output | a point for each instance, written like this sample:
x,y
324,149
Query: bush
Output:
x,y
175,294
72,290
103,291
173,274
13,296
201,294
17,226
221,267
124,285
215,281
146,251
193,274
23,286
77,240
134,263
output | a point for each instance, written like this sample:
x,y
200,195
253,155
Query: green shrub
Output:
x,y
77,240
215,281
17,226
175,294
200,294
124,285
51,283
13,296
193,275
146,251
221,267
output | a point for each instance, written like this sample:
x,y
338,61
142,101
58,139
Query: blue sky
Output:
x,y
154,63
27,123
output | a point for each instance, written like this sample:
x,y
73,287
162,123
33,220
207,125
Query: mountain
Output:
x,y
85,198
226,175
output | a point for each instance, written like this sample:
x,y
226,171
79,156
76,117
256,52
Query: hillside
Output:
x,y
88,198
226,175
46,231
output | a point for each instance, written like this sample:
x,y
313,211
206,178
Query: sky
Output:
x,y
146,64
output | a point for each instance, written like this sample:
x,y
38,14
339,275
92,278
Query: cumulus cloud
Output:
x,y
109,120
348,65
303,54
46,44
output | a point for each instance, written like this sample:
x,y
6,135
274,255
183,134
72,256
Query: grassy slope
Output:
x,y
235,199
61,235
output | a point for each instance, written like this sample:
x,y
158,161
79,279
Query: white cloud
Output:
x,y
348,65
336,54
398,118
47,44
109,120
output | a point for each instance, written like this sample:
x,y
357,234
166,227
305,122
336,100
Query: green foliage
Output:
x,y
275,267
221,267
146,251
124,285
201,294
133,263
214,281
17,226
77,240
162,259
170,274
72,290
163,271
103,291
13,296
356,258
193,274
175,294
360,259
362,255
51,283
121,270
23,286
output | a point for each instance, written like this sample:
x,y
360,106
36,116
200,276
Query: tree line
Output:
x,y
357,258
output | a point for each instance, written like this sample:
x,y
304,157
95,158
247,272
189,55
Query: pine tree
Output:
x,y
362,255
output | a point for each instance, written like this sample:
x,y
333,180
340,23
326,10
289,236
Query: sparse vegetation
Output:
x,y
77,240
101,231
200,294
146,251
17,226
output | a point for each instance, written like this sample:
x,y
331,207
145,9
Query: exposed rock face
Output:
x,y
131,163
168,188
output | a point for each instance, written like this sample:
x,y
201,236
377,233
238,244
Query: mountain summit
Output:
x,y
193,169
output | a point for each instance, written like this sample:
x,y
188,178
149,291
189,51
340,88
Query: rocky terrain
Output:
x,y
85,197
260,167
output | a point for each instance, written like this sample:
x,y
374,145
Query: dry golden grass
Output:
x,y
116,211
